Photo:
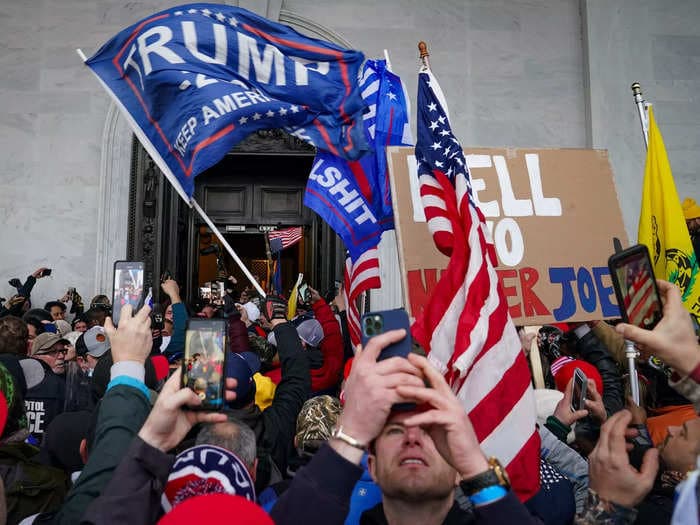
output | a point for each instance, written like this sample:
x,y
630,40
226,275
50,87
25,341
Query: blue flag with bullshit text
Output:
x,y
197,79
354,197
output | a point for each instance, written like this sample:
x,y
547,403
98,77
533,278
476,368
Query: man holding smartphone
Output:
x,y
416,458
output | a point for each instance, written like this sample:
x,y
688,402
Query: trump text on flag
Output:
x,y
195,80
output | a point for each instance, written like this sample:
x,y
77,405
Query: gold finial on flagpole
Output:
x,y
423,48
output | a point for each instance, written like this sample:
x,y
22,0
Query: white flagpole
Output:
x,y
631,352
386,57
165,169
642,109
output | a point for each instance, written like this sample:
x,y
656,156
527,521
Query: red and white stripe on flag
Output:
x,y
288,236
465,327
359,277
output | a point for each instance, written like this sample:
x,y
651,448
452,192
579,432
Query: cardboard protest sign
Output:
x,y
552,214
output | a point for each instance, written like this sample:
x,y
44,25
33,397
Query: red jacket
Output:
x,y
331,347
238,334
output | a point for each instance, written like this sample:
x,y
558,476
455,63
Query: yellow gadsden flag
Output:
x,y
662,224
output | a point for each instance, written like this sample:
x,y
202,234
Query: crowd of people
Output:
x,y
97,427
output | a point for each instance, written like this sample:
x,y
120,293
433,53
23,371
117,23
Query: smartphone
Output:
x,y
375,323
157,317
205,292
635,286
127,287
46,272
203,363
304,293
578,393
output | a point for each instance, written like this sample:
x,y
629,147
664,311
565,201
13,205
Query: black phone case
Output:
x,y
218,325
579,403
620,259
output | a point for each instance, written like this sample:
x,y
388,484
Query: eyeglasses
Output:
x,y
57,351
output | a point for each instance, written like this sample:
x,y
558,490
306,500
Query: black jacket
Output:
x,y
25,291
133,493
275,426
592,349
320,494
456,516
45,401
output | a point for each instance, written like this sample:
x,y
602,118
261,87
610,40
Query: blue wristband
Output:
x,y
488,495
129,381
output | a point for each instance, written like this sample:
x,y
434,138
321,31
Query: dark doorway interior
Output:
x,y
251,248
257,187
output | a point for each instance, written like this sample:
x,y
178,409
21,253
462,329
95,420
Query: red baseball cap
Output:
x,y
566,372
216,508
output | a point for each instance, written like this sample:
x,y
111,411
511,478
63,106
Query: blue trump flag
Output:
x,y
197,79
387,123
354,197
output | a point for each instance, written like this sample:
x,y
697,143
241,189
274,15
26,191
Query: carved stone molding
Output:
x,y
309,26
273,141
113,206
267,8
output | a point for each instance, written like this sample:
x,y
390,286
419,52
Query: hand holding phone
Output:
x,y
578,395
673,340
635,287
304,294
203,364
127,287
375,323
169,422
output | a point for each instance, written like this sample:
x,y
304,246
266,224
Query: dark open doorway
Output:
x,y
250,246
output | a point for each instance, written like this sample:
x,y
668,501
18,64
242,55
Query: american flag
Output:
x,y
359,277
386,122
281,239
465,327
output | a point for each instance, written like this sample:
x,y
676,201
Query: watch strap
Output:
x,y
479,482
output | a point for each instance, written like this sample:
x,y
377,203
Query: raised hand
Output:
x,y
594,403
673,339
446,421
170,421
133,340
372,387
563,410
610,473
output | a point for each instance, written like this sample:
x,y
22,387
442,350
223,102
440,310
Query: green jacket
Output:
x,y
122,412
